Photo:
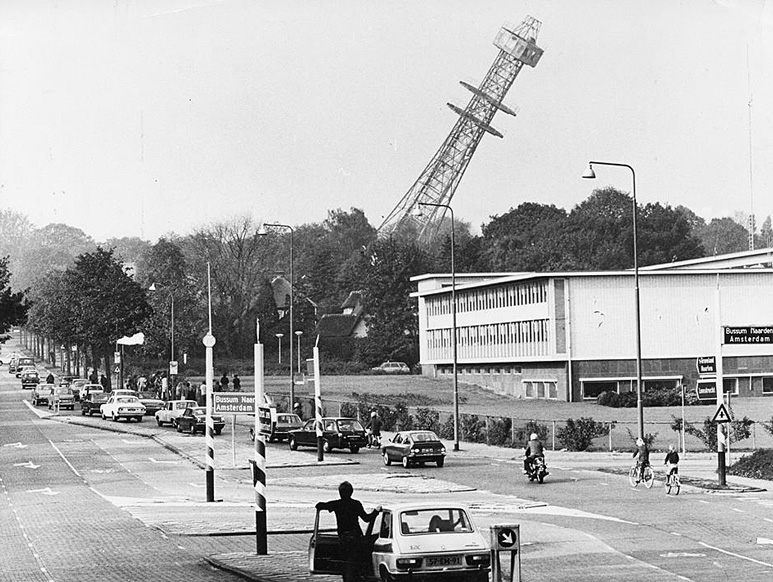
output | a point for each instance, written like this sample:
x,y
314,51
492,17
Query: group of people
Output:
x,y
642,456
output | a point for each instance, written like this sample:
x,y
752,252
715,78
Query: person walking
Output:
x,y
350,538
224,383
103,381
237,383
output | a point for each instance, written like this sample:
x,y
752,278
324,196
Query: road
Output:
x,y
79,503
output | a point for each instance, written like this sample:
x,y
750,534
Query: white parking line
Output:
x,y
747,558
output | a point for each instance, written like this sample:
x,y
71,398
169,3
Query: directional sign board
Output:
x,y
706,364
758,334
505,537
233,402
721,415
706,390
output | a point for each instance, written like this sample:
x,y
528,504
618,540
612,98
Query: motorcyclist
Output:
x,y
374,430
642,456
534,449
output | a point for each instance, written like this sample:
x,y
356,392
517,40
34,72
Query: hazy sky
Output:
x,y
141,117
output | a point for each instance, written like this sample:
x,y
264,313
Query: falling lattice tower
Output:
x,y
439,180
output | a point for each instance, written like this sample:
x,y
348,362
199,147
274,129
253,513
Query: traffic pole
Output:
x,y
209,342
318,405
720,388
259,479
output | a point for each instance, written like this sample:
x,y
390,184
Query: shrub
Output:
x,y
499,432
471,429
609,398
648,438
758,465
739,430
428,419
578,435
522,434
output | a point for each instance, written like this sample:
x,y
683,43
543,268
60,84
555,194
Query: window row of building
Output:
x,y
496,340
510,295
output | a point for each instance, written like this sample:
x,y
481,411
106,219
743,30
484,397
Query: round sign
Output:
x,y
208,341
506,538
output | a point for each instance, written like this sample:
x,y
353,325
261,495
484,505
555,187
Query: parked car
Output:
x,y
22,362
285,422
410,541
62,397
392,368
414,447
172,410
194,419
30,378
92,403
122,406
40,394
150,402
87,389
78,385
338,433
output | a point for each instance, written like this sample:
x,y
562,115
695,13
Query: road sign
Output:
x,y
721,415
706,364
173,368
706,391
233,403
755,334
506,536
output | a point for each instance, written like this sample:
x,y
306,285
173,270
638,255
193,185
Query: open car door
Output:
x,y
324,556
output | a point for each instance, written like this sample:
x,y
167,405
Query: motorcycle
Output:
x,y
537,470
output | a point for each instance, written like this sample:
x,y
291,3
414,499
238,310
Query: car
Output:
x,y
40,393
414,447
151,403
62,397
92,403
172,410
392,368
22,362
76,384
410,541
194,419
285,422
29,378
85,389
338,433
122,406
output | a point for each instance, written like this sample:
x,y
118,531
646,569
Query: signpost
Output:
x,y
506,538
706,365
755,334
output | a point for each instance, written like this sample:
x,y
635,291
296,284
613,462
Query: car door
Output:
x,y
391,447
308,435
324,555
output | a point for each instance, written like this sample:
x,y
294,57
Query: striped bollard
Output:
x,y
259,478
209,342
318,406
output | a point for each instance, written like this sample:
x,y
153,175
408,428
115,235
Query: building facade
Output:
x,y
572,336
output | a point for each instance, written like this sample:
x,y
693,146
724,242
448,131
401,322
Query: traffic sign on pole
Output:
x,y
721,415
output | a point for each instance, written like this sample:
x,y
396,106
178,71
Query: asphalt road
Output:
x,y
80,503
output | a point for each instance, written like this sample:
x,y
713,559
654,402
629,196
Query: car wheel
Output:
x,y
387,460
326,446
406,462
440,462
34,402
293,444
179,428
83,412
354,449
192,429
116,418
103,416
158,422
218,430
385,575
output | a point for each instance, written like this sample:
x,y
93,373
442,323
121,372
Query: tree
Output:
x,y
13,306
722,236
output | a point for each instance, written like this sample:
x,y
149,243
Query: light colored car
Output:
x,y
122,406
411,541
61,397
414,447
392,368
172,410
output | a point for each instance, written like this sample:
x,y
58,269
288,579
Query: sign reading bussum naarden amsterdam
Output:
x,y
233,403
749,335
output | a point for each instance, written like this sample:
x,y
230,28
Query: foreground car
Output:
x,y
172,410
338,433
92,403
194,419
411,541
118,406
30,378
414,447
40,393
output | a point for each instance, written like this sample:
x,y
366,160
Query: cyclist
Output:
x,y
534,449
672,460
374,430
642,456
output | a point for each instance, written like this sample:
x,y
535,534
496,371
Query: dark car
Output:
x,y
194,419
151,403
414,447
285,422
30,378
90,404
338,433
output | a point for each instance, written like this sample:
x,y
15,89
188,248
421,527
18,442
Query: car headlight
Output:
x,y
407,563
442,450
479,560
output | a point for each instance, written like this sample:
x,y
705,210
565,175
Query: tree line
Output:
x,y
64,286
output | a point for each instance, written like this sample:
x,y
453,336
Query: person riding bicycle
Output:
x,y
534,449
642,456
672,460
374,430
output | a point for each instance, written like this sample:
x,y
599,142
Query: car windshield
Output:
x,y
349,424
435,520
423,437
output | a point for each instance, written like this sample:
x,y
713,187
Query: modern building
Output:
x,y
570,336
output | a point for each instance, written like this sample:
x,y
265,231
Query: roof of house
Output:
x,y
337,325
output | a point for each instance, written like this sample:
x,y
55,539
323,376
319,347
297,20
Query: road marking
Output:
x,y
747,558
738,510
69,464
17,445
682,555
764,541
46,491
674,533
768,519
28,464
152,460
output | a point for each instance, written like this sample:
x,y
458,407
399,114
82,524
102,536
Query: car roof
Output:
x,y
422,505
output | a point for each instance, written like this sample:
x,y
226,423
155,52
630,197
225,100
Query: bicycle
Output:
x,y
673,484
635,472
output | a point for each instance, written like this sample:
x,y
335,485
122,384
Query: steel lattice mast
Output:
x,y
439,180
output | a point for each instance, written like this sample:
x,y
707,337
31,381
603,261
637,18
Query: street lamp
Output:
x,y
171,359
298,334
279,345
590,174
263,232
453,320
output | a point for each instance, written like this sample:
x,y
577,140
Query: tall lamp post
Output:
x,y
262,232
590,174
171,358
298,334
453,320
279,345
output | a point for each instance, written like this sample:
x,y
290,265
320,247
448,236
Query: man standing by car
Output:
x,y
350,539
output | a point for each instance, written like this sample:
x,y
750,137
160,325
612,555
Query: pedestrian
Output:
x,y
103,381
224,383
202,394
93,379
350,539
237,383
374,430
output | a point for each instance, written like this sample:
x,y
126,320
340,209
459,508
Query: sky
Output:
x,y
146,117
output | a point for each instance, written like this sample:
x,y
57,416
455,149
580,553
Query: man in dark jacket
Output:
x,y
534,449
